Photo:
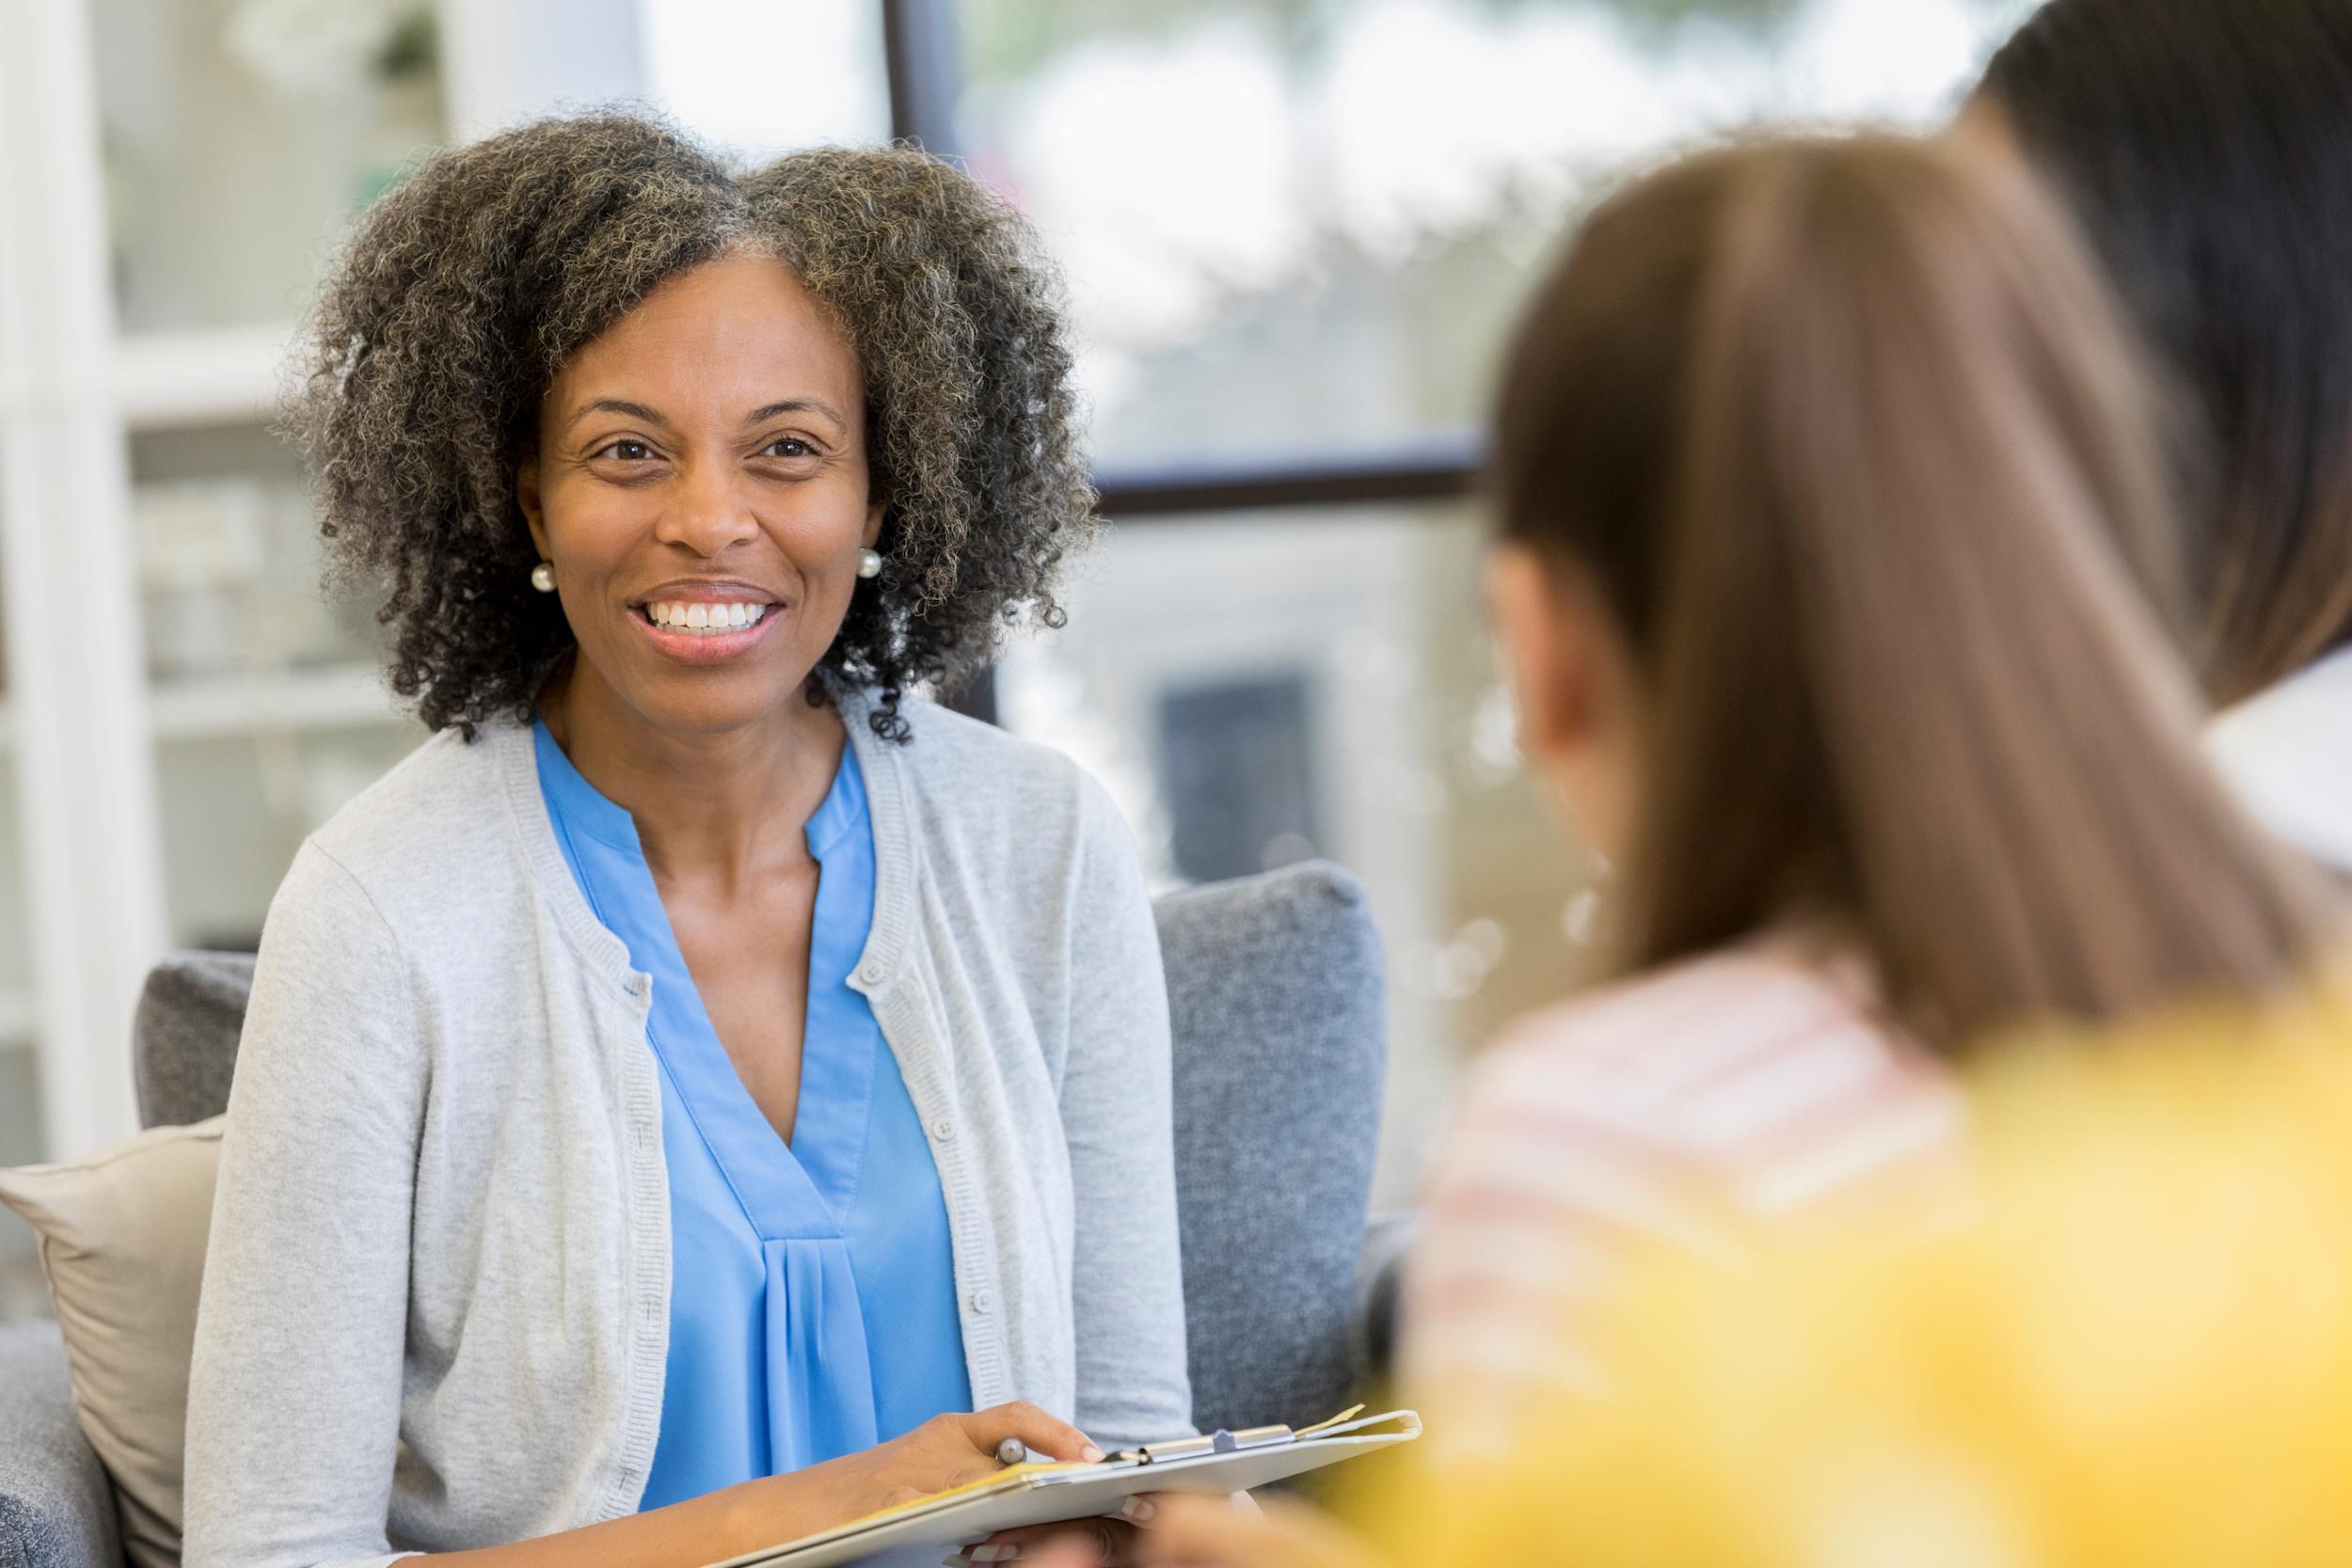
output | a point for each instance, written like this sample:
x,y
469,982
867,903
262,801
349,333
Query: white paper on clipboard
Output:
x,y
1041,1495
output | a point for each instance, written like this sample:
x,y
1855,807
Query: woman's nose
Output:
x,y
708,511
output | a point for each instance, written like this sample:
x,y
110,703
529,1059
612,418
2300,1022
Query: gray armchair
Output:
x,y
1275,995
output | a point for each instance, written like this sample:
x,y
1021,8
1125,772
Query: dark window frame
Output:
x,y
919,54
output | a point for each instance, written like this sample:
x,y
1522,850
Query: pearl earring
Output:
x,y
543,577
869,564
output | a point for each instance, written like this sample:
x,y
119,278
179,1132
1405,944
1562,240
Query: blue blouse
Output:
x,y
812,1290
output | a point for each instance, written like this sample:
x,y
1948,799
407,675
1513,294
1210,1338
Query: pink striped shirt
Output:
x,y
1681,1108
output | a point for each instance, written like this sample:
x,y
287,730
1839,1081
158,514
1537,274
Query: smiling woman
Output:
x,y
636,1154
704,458
426,392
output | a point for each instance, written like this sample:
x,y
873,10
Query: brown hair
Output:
x,y
1844,432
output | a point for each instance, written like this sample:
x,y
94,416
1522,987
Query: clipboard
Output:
x,y
1219,1462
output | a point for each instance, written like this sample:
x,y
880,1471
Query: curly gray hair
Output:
x,y
465,289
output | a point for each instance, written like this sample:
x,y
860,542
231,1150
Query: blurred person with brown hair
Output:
x,y
2205,147
2133,1355
1810,466
1811,463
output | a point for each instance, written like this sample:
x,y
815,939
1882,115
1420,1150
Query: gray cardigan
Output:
x,y
436,1301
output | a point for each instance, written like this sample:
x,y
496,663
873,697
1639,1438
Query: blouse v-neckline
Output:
x,y
802,1188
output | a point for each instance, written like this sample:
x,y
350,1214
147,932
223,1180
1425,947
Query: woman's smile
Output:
x,y
705,623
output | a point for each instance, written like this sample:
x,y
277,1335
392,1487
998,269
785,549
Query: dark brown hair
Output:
x,y
468,288
1843,432
2205,146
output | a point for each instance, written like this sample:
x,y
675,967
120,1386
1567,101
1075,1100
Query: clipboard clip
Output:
x,y
1219,1441
1225,1441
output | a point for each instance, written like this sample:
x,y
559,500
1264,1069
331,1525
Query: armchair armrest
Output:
x,y
56,1506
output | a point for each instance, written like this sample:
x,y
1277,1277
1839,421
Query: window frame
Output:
x,y
925,73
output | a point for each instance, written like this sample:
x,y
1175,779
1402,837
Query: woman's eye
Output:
x,y
788,446
628,452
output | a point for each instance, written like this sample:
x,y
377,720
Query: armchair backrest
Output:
x,y
1274,994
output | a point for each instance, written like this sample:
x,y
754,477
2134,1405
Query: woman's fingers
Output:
x,y
1213,1533
1071,1544
1035,1430
1066,1551
1176,1531
1110,1538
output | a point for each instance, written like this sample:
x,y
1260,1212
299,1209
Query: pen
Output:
x,y
1012,1451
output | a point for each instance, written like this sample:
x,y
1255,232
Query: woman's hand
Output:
x,y
1176,1531
1104,1543
753,1515
945,1451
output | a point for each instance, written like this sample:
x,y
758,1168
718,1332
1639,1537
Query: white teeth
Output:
x,y
679,615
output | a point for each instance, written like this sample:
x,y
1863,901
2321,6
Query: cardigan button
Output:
x,y
981,1302
943,1129
871,973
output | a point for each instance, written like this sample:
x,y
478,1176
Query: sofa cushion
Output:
x,y
1276,996
57,1508
1277,999
123,1237
184,1040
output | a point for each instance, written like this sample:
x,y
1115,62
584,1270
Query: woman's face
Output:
x,y
700,489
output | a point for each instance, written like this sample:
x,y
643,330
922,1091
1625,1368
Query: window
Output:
x,y
1254,688
1296,233
1297,225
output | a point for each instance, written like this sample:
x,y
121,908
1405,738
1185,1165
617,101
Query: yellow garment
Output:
x,y
2137,1354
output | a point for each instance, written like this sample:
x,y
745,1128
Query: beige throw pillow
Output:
x,y
122,1240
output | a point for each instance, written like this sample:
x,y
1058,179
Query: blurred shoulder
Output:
x,y
1656,1051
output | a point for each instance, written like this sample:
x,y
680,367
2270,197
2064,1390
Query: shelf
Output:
x,y
169,381
228,376
227,707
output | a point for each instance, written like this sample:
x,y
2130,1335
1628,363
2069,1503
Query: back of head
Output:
x,y
2206,147
1844,434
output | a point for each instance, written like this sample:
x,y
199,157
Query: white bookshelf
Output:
x,y
105,363
222,376
350,696
277,702
81,766
168,206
